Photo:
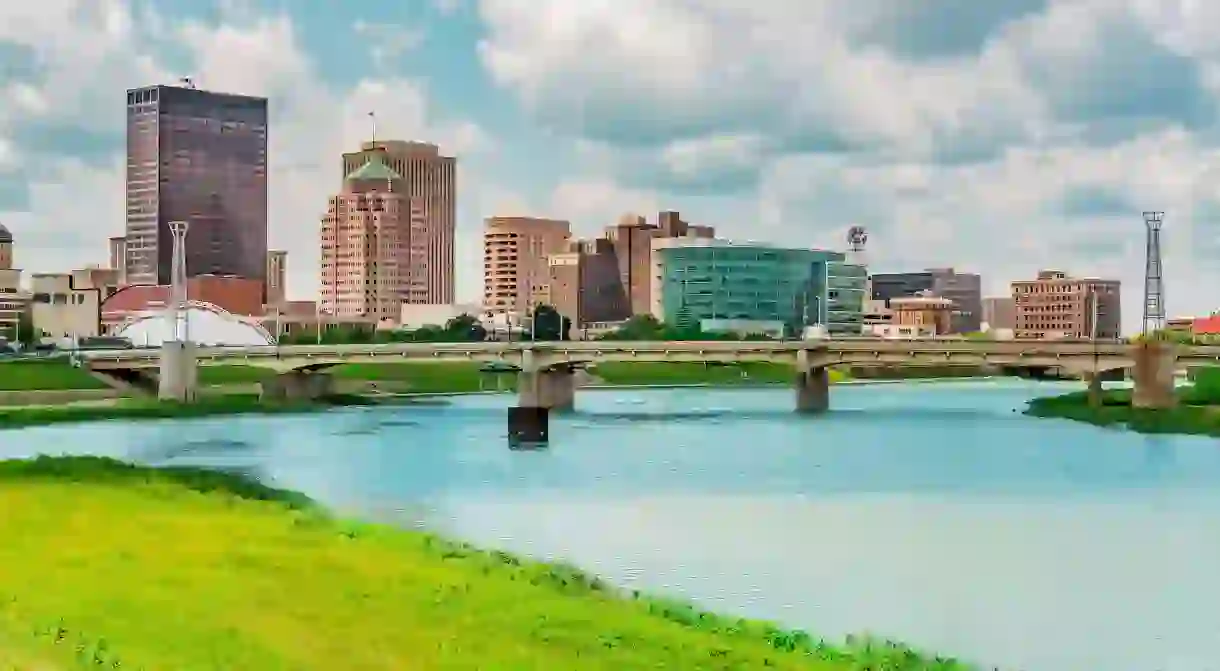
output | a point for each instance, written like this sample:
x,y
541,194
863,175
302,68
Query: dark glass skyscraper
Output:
x,y
199,157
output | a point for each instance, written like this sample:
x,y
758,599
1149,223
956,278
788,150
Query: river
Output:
x,y
931,513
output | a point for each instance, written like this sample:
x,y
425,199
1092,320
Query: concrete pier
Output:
x,y
813,390
178,375
1095,390
1155,365
551,389
297,385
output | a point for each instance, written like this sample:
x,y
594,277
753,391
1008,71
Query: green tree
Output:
x,y
548,324
465,328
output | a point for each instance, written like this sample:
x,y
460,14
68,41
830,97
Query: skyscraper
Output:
x,y
200,157
375,254
430,178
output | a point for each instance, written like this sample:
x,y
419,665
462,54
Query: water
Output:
x,y
931,513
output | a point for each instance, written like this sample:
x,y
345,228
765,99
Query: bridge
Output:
x,y
545,368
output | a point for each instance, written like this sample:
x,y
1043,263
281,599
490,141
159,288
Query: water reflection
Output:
x,y
932,513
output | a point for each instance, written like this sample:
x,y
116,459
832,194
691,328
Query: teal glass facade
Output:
x,y
719,280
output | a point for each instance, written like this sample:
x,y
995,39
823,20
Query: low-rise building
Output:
x,y
68,306
235,295
697,279
927,314
964,289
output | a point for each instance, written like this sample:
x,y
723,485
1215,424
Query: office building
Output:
x,y
12,299
585,285
199,157
375,252
741,286
1058,306
428,177
631,238
277,275
964,289
516,269
68,306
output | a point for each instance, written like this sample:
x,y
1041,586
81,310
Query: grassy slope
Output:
x,y
186,570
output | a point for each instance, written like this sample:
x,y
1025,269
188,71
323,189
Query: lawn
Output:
x,y
45,375
110,565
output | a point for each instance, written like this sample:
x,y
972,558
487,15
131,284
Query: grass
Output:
x,y
257,578
59,375
147,408
1197,412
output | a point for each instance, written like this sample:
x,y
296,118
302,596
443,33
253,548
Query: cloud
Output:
x,y
1012,136
73,204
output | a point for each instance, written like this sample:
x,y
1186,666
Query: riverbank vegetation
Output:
x,y
1197,412
258,578
12,417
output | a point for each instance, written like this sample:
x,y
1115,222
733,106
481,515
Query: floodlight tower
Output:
x,y
1154,281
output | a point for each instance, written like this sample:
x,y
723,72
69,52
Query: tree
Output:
x,y
548,324
465,328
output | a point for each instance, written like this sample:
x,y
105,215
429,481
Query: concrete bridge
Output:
x,y
545,368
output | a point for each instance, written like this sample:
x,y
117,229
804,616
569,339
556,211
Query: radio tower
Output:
x,y
1154,282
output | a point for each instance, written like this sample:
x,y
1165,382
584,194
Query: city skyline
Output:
x,y
1040,136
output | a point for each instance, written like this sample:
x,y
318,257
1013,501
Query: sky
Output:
x,y
998,137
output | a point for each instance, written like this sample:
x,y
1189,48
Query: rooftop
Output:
x,y
374,168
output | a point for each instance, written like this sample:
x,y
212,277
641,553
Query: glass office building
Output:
x,y
696,280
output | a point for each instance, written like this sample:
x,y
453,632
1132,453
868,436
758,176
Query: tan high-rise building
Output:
x,y
376,252
516,270
632,239
277,272
118,256
430,178
584,284
1058,306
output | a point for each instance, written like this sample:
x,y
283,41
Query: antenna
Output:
x,y
1154,282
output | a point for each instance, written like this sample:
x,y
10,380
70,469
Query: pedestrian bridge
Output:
x,y
545,367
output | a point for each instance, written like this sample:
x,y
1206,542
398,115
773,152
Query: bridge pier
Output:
x,y
813,386
297,385
1155,365
550,389
1095,390
178,378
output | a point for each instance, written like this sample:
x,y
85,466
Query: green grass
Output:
x,y
1197,413
147,408
45,375
116,566
630,373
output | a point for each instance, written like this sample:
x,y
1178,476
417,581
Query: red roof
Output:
x,y
135,298
1206,325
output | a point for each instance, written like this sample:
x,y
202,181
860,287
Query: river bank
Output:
x,y
36,393
266,579
1197,412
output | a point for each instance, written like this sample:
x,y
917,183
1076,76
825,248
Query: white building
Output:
x,y
206,326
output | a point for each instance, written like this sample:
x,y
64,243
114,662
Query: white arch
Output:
x,y
207,326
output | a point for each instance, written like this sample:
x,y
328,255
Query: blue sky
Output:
x,y
999,137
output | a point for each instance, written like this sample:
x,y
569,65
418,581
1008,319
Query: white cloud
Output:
x,y
1005,139
312,122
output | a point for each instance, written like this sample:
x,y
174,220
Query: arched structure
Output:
x,y
206,325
